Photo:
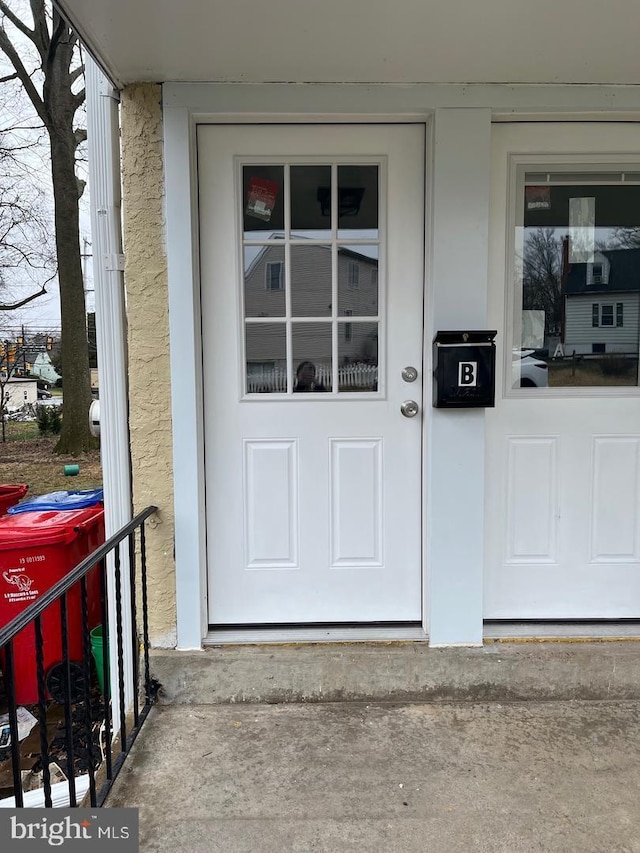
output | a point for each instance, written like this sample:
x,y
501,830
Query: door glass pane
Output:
x,y
263,202
311,344
357,356
311,281
264,281
577,261
311,202
358,201
358,281
266,358
299,265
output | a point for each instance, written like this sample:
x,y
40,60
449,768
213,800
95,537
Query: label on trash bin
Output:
x,y
21,586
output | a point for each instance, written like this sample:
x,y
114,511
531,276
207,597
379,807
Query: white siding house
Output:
x,y
311,297
19,393
597,323
602,308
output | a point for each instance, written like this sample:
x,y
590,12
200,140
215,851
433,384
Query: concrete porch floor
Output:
x,y
426,771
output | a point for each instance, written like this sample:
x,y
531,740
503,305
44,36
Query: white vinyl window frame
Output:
x,y
590,170
607,315
602,314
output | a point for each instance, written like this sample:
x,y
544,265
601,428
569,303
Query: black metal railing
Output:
x,y
72,609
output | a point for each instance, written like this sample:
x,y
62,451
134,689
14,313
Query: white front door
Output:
x,y
563,442
312,249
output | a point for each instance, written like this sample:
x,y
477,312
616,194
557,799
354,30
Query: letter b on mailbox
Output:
x,y
467,374
464,369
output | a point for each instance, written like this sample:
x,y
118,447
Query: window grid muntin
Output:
x,y
336,242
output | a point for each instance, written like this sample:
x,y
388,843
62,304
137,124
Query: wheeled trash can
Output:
x,y
37,549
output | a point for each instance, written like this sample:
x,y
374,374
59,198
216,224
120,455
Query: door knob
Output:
x,y
409,408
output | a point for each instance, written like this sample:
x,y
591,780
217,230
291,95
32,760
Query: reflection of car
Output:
x,y
529,371
43,395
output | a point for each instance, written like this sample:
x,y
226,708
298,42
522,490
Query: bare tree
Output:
x,y
625,238
55,91
27,257
542,274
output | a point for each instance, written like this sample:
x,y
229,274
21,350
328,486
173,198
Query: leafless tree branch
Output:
x,y
15,20
40,36
10,52
11,306
76,73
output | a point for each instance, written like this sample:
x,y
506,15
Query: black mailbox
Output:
x,y
464,369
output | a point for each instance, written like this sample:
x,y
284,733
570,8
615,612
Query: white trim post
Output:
x,y
103,133
186,380
455,438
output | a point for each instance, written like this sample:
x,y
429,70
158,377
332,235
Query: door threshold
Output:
x,y
627,629
334,634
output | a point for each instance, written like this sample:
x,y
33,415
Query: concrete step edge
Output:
x,y
402,672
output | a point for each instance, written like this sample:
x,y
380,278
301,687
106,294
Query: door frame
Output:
x,y
187,395
456,203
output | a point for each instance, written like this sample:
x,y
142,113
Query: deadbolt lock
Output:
x,y
409,374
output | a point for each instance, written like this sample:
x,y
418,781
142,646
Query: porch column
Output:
x,y
455,438
148,345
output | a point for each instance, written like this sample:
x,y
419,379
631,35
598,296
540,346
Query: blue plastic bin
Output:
x,y
79,499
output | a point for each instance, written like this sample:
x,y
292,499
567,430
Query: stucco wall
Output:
x,y
148,340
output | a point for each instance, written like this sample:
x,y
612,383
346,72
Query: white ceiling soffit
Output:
x,y
359,41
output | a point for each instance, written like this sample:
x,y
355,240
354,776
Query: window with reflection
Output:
x,y
311,285
577,269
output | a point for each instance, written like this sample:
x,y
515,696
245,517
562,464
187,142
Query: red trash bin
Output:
x,y
10,495
37,549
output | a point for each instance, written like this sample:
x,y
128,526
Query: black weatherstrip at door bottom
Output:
x,y
296,626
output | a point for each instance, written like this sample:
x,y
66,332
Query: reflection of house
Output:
x,y
602,303
311,298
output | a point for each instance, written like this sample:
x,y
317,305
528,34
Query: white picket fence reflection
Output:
x,y
351,377
269,381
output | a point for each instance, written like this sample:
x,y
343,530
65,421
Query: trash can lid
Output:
x,y
48,527
11,488
79,499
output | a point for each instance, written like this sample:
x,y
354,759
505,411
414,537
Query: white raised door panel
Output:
x,y
313,500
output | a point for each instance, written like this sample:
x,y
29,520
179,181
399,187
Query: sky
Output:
x,y
17,118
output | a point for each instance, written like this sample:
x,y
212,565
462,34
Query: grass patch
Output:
x,y
28,458
21,431
589,373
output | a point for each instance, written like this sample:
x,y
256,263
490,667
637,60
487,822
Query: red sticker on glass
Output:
x,y
261,199
538,198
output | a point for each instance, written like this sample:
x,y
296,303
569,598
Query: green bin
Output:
x,y
97,651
